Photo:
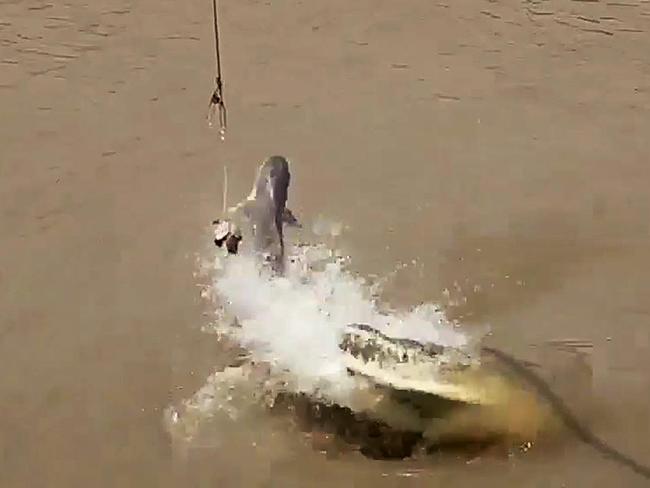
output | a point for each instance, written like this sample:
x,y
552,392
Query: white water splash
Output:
x,y
295,322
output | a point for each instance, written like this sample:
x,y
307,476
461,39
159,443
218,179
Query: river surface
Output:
x,y
499,149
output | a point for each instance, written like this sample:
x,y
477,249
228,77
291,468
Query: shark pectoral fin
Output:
x,y
289,219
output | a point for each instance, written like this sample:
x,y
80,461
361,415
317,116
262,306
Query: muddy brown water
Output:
x,y
502,145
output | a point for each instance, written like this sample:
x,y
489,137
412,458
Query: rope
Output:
x,y
216,100
225,189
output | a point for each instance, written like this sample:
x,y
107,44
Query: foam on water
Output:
x,y
292,326
295,322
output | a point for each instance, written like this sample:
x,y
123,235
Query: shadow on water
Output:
x,y
491,275
568,418
339,429
344,429
405,423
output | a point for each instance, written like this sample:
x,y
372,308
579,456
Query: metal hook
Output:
x,y
216,102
